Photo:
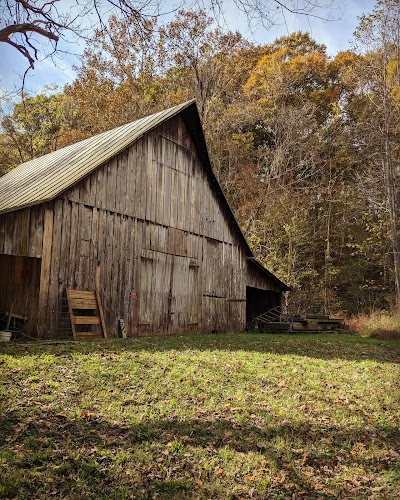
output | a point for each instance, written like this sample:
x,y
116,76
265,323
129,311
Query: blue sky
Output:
x,y
336,35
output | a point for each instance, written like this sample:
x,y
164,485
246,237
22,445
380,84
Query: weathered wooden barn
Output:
x,y
137,214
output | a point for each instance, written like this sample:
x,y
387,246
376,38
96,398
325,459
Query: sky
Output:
x,y
335,34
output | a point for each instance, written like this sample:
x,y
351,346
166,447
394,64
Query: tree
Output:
x,y
34,27
118,78
32,129
30,25
379,37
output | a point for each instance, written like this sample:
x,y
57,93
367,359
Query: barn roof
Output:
x,y
43,179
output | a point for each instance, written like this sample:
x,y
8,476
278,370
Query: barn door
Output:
x,y
154,291
168,299
179,299
19,289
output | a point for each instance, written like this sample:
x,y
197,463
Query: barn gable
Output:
x,y
151,221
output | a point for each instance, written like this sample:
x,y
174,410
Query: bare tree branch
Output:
x,y
28,25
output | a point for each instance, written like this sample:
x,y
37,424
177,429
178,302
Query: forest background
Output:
x,y
305,145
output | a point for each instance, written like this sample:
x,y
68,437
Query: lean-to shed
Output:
x,y
137,214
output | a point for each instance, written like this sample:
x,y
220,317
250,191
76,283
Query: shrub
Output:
x,y
378,324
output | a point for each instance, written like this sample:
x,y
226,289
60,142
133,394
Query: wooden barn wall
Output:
x,y
149,222
259,279
21,232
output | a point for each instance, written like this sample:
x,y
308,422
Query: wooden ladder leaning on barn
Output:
x,y
86,314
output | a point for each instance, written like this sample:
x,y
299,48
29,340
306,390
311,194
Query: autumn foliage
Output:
x,y
306,146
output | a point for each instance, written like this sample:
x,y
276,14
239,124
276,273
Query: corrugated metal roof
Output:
x,y
44,178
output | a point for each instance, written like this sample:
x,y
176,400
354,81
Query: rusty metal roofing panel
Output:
x,y
44,178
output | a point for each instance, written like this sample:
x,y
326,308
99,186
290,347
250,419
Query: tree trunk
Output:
x,y
392,208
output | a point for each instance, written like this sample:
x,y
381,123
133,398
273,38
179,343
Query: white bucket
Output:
x,y
5,336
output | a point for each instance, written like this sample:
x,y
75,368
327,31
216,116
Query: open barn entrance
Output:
x,y
19,292
260,301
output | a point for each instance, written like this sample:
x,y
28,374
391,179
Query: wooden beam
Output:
x,y
45,271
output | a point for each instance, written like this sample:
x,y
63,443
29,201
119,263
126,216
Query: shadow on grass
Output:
x,y
320,346
91,449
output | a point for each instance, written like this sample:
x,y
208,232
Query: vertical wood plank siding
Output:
x,y
148,222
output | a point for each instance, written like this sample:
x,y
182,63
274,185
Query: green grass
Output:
x,y
206,416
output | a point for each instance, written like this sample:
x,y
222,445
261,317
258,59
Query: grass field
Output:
x,y
206,416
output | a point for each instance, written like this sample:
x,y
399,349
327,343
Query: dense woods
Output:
x,y
305,145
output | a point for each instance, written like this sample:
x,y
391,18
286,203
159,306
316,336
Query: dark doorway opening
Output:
x,y
260,301
19,291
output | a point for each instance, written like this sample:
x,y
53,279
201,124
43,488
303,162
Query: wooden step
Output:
x,y
86,314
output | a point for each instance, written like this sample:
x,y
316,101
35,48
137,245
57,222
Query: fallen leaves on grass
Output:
x,y
189,417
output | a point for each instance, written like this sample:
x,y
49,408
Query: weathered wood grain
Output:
x,y
44,305
151,221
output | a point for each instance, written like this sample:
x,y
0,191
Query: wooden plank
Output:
x,y
167,195
106,266
101,187
84,190
86,320
151,181
196,188
123,282
115,276
9,247
131,175
180,199
53,300
2,232
45,271
36,232
65,240
93,251
128,303
135,283
65,245
80,294
72,264
71,313
15,233
24,231
141,180
160,193
91,199
83,303
101,239
122,171
88,335
174,198
111,184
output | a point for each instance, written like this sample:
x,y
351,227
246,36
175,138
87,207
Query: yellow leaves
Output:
x,y
277,74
